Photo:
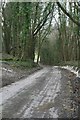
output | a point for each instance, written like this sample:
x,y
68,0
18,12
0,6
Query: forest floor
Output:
x,y
11,74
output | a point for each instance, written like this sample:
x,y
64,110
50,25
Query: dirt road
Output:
x,y
44,94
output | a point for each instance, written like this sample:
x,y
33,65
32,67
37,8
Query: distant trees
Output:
x,y
50,49
67,44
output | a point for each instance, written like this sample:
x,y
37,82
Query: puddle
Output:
x,y
46,106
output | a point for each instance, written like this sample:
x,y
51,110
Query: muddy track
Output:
x,y
49,95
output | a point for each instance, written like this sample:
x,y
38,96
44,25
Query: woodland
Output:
x,y
45,32
40,49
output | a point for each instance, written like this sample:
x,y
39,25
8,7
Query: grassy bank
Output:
x,y
70,63
13,69
15,62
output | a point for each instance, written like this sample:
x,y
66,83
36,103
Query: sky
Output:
x,y
39,0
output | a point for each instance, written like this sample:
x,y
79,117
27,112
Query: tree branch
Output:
x,y
76,22
44,21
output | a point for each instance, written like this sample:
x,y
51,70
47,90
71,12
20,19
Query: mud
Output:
x,y
50,95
